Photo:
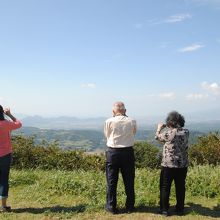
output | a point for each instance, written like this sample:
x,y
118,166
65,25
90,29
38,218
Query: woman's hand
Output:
x,y
7,111
160,126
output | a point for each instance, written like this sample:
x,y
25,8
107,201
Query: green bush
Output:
x,y
206,150
28,155
147,155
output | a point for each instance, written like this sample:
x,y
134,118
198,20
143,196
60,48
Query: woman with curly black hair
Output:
x,y
174,162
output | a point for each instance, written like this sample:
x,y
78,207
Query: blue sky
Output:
x,y
76,57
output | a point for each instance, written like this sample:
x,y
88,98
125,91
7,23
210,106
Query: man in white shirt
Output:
x,y
120,131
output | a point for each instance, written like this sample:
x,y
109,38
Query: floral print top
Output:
x,y
175,149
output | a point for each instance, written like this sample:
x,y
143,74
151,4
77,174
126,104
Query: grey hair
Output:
x,y
119,106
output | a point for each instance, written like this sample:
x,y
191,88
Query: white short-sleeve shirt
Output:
x,y
120,131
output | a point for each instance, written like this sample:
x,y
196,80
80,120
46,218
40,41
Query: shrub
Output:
x,y
206,150
28,155
147,155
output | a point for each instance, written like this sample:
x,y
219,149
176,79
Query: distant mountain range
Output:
x,y
199,123
63,122
87,133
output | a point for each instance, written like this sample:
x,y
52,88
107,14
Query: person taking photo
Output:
x,y
6,126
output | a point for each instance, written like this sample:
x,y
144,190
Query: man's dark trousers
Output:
x,y
120,159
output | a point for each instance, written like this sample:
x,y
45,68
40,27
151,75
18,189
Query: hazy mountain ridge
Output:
x,y
87,133
63,122
203,118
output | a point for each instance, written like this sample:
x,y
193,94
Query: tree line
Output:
x,y
47,156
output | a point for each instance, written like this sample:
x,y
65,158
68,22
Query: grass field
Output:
x,y
51,195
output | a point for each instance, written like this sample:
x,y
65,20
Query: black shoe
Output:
x,y
179,212
5,209
130,210
112,211
164,213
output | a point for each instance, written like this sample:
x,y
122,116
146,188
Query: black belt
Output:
x,y
120,148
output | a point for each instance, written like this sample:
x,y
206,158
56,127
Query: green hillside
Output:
x,y
50,195
88,140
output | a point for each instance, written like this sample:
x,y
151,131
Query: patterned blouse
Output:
x,y
175,149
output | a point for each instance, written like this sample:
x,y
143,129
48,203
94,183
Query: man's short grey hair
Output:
x,y
119,106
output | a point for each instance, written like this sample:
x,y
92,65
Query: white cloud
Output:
x,y
197,96
191,48
171,19
211,91
213,88
177,18
168,95
89,85
138,26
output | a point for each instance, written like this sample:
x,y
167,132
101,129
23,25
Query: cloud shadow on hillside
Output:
x,y
54,209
